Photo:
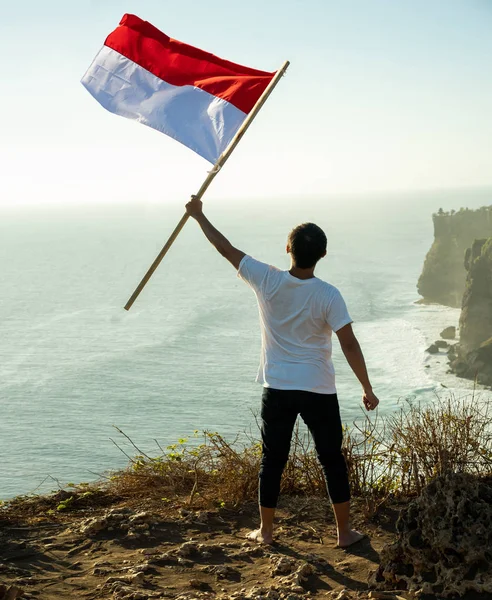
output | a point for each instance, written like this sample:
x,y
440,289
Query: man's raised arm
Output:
x,y
221,243
355,358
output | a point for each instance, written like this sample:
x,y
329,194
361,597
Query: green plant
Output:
x,y
65,504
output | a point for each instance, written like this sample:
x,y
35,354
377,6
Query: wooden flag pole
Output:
x,y
210,177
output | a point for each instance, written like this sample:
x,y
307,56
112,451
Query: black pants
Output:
x,y
320,412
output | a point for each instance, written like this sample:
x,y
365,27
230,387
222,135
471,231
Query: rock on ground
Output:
x,y
449,333
444,544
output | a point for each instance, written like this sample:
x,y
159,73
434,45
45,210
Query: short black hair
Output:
x,y
307,244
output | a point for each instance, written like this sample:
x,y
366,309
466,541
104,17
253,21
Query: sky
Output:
x,y
381,95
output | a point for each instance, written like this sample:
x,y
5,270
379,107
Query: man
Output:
x,y
298,313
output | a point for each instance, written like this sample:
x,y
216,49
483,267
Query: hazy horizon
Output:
x,y
449,197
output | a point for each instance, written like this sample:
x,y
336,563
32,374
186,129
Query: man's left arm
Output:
x,y
355,358
221,243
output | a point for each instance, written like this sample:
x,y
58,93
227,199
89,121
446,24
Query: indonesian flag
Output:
x,y
193,96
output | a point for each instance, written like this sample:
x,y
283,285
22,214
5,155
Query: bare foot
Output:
x,y
350,538
261,538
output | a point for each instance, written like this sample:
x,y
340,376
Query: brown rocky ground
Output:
x,y
132,550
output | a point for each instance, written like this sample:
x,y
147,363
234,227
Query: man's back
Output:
x,y
297,317
298,313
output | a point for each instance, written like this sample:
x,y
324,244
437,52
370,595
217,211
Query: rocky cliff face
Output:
x,y
443,276
473,355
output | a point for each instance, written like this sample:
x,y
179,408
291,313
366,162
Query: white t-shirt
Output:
x,y
297,318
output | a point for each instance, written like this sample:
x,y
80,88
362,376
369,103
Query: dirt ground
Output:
x,y
136,552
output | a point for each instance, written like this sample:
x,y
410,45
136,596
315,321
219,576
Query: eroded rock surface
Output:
x,y
444,544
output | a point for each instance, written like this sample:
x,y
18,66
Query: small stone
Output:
x,y
137,578
150,551
441,344
98,571
202,516
305,570
225,572
93,525
188,549
101,563
140,568
449,333
185,563
283,566
132,578
433,349
141,517
206,569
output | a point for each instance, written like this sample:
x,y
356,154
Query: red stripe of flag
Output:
x,y
180,64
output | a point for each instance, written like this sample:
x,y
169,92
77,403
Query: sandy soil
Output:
x,y
137,552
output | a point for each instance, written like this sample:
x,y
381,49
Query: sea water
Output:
x,y
74,364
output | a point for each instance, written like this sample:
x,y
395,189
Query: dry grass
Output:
x,y
396,456
453,434
388,458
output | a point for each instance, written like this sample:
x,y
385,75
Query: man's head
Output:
x,y
306,244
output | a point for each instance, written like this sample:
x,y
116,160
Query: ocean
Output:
x,y
74,363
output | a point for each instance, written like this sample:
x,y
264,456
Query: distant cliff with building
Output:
x,y
458,272
443,276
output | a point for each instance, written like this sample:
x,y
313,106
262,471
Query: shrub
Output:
x,y
387,457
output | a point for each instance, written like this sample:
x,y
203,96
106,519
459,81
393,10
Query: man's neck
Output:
x,y
301,273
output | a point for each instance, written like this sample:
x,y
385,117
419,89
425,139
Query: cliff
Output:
x,y
473,355
443,276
